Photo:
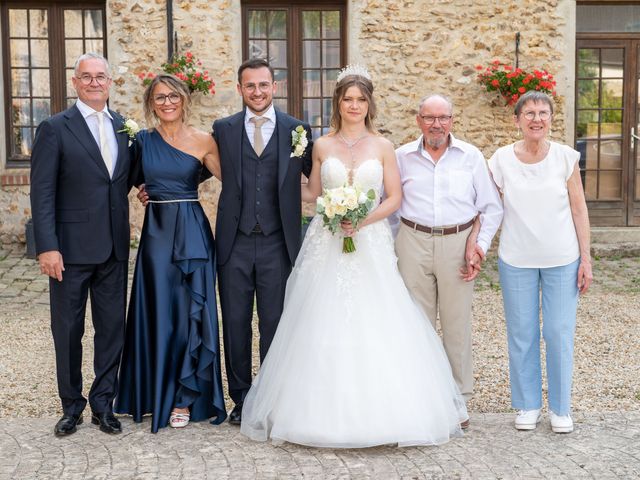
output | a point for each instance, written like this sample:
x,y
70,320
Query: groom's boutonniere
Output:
x,y
131,128
299,141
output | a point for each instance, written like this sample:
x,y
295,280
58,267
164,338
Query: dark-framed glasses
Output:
x,y
544,115
431,119
161,98
86,79
262,86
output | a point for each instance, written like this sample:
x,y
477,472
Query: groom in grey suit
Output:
x,y
258,221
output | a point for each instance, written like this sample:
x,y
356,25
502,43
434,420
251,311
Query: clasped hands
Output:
x,y
474,257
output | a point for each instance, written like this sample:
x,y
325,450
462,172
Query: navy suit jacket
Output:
x,y
228,133
77,209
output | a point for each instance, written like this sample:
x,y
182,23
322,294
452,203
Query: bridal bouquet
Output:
x,y
348,203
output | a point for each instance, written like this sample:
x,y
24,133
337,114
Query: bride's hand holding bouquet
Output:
x,y
343,208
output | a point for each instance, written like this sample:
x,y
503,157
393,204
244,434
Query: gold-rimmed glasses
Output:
x,y
262,86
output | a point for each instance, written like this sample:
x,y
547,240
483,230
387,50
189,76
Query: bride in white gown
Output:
x,y
354,362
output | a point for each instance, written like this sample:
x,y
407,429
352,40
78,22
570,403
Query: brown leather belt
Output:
x,y
438,230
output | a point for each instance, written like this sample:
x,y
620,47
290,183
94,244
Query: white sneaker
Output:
x,y
561,423
528,419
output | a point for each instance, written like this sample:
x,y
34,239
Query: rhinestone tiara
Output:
x,y
353,69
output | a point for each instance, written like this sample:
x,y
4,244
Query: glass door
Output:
x,y
599,128
607,126
608,109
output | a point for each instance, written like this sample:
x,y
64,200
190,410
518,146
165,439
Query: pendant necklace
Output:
x,y
350,145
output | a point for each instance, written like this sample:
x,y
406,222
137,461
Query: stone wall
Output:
x,y
418,47
411,48
138,43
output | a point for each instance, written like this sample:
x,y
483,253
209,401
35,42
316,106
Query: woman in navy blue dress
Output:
x,y
171,360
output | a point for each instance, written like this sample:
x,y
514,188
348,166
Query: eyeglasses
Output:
x,y
161,99
86,79
430,119
544,115
262,86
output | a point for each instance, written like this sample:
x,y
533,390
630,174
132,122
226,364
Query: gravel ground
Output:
x,y
607,356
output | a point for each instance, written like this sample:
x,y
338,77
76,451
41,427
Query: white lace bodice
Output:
x,y
367,175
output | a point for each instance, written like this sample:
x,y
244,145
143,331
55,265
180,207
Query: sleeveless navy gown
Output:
x,y
171,356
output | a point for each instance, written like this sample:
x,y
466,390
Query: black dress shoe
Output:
x,y
67,424
235,417
108,423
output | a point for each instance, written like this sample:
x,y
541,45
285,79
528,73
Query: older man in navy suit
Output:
x,y
79,184
258,221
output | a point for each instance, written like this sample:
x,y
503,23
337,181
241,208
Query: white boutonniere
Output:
x,y
299,141
131,128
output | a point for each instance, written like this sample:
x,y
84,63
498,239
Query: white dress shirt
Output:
x,y
450,191
268,127
89,115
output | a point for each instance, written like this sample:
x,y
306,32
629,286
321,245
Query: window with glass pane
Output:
x,y
28,88
305,45
321,62
267,38
37,74
599,114
608,18
83,32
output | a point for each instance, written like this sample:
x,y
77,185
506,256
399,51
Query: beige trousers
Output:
x,y
429,265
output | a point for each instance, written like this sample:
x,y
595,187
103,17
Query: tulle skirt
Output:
x,y
355,362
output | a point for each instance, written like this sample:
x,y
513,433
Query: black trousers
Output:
x,y
107,284
257,267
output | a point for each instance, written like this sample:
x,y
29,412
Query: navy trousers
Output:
x,y
107,285
258,267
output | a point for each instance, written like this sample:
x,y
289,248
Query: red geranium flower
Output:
x,y
185,67
512,82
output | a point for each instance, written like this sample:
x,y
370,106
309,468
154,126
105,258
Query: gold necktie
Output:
x,y
104,144
258,142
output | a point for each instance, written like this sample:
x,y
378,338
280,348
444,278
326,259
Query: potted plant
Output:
x,y
512,82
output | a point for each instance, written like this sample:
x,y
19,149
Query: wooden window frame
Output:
x,y
294,40
57,68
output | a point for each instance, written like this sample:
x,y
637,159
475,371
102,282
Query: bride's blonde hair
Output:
x,y
366,88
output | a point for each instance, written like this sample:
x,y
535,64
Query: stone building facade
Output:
x,y
411,47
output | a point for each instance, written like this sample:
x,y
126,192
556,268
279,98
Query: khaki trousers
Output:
x,y
429,265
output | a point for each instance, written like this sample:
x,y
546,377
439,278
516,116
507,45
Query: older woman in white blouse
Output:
x,y
544,247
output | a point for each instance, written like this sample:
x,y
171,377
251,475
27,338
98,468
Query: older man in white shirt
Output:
x,y
446,186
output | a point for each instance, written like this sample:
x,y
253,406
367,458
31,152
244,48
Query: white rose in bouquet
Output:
x,y
346,203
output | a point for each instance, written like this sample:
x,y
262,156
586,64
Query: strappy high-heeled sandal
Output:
x,y
179,420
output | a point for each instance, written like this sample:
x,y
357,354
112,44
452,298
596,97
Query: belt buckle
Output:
x,y
437,231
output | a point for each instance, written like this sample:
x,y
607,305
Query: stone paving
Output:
x,y
603,445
